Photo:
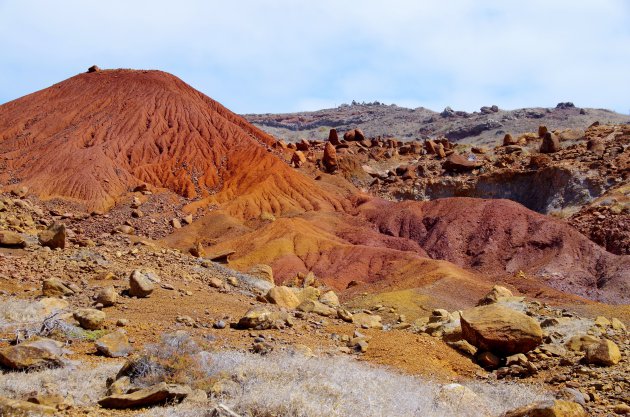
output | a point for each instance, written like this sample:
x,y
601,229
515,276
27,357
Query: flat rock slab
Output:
x,y
153,395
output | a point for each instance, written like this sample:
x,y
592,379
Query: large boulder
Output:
x,y
90,318
256,318
11,240
156,394
555,408
605,353
298,159
54,237
114,345
368,321
283,296
500,330
141,283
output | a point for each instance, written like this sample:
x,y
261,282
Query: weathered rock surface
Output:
x,y
90,318
141,284
500,330
157,394
54,237
114,345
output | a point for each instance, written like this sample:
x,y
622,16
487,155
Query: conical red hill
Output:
x,y
96,135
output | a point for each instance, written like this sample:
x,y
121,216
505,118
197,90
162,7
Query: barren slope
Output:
x,y
96,135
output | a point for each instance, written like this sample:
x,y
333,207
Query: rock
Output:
x,y
579,343
605,353
221,257
550,143
298,159
621,409
602,321
55,288
517,359
54,237
89,318
93,68
488,360
309,293
19,408
11,240
500,330
51,305
114,345
156,394
596,145
508,140
31,356
283,296
188,219
345,315
176,224
497,292
330,158
124,229
555,408
263,272
141,283
312,306
215,282
329,298
333,138
197,250
107,296
349,136
542,131
257,317
617,324
302,145
464,347
368,321
459,163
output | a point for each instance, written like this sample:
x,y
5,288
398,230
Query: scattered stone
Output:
x,y
19,408
312,306
500,330
330,158
90,318
141,283
283,296
156,394
333,137
257,317
496,293
488,360
215,282
176,224
107,296
345,315
114,345
263,272
31,355
11,240
329,298
368,321
550,143
617,324
55,288
54,237
579,343
605,353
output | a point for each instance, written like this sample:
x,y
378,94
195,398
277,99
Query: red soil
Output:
x,y
501,236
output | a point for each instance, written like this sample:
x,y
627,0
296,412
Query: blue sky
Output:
x,y
283,55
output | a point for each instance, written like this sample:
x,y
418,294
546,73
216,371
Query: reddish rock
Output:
x,y
303,145
509,140
330,158
298,159
550,143
333,138
459,163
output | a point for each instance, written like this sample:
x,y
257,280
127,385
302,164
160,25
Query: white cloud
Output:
x,y
281,55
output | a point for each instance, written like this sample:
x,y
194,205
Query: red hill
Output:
x,y
95,136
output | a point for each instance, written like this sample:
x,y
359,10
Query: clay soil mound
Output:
x,y
500,236
95,136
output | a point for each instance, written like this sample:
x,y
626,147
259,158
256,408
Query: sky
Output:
x,y
272,56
